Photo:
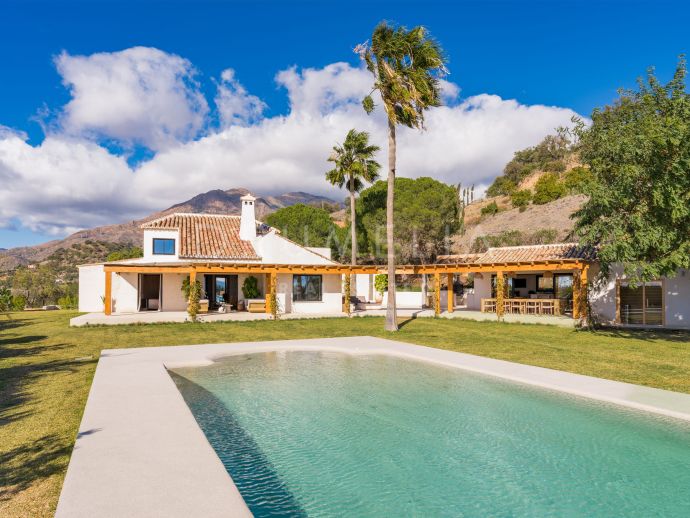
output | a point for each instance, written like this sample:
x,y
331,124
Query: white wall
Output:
x,y
173,297
149,235
364,287
331,301
326,252
602,297
91,288
482,290
273,248
125,289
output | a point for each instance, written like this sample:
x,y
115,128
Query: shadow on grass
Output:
x,y
23,466
648,335
16,380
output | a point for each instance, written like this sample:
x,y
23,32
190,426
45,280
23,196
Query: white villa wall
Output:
x,y
125,292
326,252
149,235
91,288
273,248
602,297
482,290
364,287
173,297
331,300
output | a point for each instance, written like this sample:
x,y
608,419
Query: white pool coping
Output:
x,y
141,453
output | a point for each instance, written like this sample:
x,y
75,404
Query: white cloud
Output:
x,y
236,106
67,183
137,96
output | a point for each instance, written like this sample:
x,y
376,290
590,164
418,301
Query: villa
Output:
x,y
222,252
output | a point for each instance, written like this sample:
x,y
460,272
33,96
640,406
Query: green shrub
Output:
x,y
125,253
502,185
381,283
18,303
548,188
578,180
68,302
489,209
250,288
521,199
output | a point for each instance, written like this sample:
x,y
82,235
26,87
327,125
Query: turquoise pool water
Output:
x,y
325,434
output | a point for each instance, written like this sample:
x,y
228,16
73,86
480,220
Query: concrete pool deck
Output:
x,y
139,451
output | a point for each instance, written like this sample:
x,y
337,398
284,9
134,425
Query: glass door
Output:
x,y
563,286
220,290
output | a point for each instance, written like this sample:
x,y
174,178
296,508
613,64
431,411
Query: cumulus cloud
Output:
x,y
235,106
69,182
138,96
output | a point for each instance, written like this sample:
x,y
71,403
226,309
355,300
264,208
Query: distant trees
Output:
x,y
426,212
548,188
489,209
514,238
305,224
549,155
521,199
38,286
126,253
638,152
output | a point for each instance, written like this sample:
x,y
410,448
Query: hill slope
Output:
x,y
128,234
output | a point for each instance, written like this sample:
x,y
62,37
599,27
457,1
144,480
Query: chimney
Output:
x,y
248,219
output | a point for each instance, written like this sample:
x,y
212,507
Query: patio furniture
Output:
x,y
203,306
532,307
256,305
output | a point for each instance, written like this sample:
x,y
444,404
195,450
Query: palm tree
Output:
x,y
406,66
354,165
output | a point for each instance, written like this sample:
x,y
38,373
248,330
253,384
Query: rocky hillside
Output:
x,y
128,234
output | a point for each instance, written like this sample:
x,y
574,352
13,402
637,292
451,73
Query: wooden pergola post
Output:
x,y
583,294
108,298
437,294
270,282
451,295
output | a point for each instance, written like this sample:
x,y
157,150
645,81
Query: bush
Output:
x,y
250,288
548,188
18,303
68,302
381,283
125,253
502,185
521,199
489,209
578,180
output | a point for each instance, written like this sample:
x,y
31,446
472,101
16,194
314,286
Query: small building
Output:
x,y
221,252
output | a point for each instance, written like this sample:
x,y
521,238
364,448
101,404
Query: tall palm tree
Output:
x,y
354,165
406,65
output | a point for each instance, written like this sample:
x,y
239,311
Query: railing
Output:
x,y
524,306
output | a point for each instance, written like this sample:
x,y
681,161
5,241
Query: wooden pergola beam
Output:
x,y
532,266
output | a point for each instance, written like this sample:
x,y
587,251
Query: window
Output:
x,y
306,288
163,246
544,283
641,304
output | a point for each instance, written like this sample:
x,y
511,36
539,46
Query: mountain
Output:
x,y
128,234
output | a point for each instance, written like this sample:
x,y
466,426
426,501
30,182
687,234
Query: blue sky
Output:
x,y
571,55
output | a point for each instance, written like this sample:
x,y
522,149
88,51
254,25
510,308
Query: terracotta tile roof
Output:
x,y
526,254
458,258
206,236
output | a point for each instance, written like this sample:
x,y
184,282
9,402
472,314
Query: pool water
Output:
x,y
324,434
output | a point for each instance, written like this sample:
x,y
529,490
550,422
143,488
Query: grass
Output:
x,y
46,369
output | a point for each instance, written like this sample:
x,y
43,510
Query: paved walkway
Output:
x,y
151,317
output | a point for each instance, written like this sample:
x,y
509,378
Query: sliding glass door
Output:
x,y
641,305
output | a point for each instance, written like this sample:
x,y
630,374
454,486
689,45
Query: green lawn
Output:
x,y
46,369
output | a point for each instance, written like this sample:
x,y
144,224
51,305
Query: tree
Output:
x,y
354,165
304,224
638,151
426,213
125,253
490,209
548,188
521,199
406,65
577,180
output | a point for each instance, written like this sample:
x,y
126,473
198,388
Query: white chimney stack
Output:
x,y
248,219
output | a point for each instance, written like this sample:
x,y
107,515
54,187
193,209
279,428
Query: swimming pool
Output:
x,y
325,433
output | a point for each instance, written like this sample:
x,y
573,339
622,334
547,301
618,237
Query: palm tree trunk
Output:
x,y
391,316
353,234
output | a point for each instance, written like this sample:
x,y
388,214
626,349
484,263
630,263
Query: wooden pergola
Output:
x,y
579,268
